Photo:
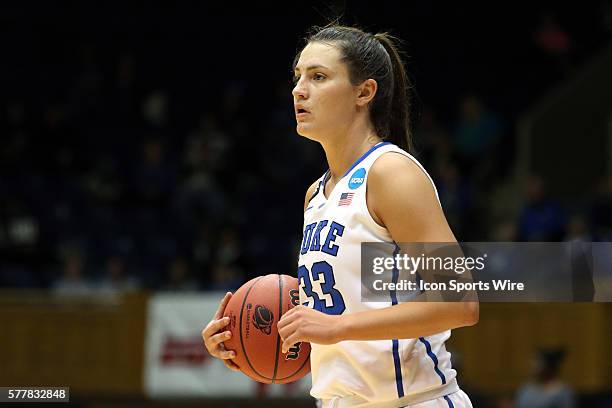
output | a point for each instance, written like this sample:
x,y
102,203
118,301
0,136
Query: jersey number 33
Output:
x,y
323,273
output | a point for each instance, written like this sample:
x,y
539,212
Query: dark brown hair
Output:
x,y
374,56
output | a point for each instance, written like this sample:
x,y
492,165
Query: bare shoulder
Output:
x,y
310,192
402,198
394,170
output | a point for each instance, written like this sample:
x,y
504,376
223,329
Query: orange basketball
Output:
x,y
254,311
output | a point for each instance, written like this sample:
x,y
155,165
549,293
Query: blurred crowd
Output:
x,y
111,181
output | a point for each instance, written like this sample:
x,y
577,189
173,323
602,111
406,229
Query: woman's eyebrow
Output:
x,y
311,67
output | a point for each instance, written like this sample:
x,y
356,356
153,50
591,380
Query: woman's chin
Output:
x,y
308,134
302,130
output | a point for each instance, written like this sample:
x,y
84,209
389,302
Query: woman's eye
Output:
x,y
315,77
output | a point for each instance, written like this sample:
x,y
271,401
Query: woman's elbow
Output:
x,y
471,313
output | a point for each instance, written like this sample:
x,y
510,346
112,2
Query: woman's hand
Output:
x,y
214,338
304,324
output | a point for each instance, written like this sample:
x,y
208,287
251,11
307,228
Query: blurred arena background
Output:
x,y
149,162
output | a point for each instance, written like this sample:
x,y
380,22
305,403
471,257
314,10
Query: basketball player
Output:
x,y
351,96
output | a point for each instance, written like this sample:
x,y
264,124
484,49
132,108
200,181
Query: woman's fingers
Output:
x,y
231,365
288,317
287,330
214,340
213,327
226,354
214,337
289,342
216,348
221,309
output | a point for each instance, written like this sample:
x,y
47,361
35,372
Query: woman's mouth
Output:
x,y
301,113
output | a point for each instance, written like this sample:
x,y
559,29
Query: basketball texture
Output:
x,y
254,311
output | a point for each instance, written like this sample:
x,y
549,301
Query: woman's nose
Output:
x,y
299,92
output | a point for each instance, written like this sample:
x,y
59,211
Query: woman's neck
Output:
x,y
342,152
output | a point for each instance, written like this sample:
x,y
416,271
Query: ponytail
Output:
x,y
377,57
399,126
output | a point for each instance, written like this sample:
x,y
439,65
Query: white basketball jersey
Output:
x,y
354,373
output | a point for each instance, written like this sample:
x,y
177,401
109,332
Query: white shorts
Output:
x,y
458,399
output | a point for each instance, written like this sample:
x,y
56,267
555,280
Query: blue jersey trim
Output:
x,y
399,383
327,174
325,177
321,184
366,154
395,275
450,403
433,357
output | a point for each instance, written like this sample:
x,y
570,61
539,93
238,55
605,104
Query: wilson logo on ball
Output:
x,y
294,352
263,318
295,297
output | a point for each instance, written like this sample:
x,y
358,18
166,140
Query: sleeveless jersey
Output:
x,y
361,373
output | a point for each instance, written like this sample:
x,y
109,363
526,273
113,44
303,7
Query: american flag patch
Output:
x,y
345,199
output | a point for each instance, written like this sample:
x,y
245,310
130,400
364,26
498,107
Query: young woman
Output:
x,y
351,96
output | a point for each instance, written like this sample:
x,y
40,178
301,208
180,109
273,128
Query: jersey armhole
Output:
x,y
415,161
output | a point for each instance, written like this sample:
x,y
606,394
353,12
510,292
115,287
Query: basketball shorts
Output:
x,y
458,399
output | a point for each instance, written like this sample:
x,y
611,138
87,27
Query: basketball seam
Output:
x,y
246,356
307,360
280,311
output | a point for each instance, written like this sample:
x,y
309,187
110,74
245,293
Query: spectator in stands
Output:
x,y
203,248
230,250
155,109
455,193
578,229
22,228
432,142
601,210
73,281
154,178
504,231
477,138
200,195
541,218
226,277
179,277
547,390
554,41
103,182
117,280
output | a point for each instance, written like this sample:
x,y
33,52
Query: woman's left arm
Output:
x,y
400,197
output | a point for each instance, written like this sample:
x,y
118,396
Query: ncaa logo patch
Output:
x,y
357,178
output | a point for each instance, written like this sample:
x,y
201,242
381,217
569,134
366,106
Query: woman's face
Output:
x,y
324,98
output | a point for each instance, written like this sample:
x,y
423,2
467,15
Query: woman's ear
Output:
x,y
366,92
